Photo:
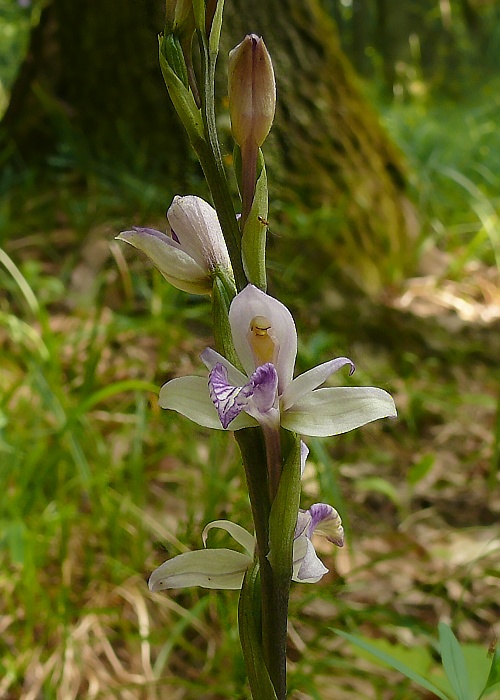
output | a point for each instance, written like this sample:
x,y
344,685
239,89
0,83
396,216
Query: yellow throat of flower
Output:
x,y
264,345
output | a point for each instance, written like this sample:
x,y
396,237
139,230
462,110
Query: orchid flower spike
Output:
x,y
265,341
225,568
193,250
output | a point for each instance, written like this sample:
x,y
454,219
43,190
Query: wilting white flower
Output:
x,y
265,340
225,568
193,250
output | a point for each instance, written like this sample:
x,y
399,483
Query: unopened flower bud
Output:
x,y
252,91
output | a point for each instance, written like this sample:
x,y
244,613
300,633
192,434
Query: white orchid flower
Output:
x,y
265,340
193,250
225,568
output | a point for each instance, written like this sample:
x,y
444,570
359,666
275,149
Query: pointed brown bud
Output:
x,y
252,91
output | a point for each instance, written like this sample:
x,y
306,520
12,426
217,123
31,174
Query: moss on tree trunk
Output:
x,y
327,148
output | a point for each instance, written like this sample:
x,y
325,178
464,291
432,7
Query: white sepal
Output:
x,y
237,532
208,568
178,268
337,410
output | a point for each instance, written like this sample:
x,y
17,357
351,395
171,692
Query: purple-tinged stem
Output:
x,y
249,155
273,457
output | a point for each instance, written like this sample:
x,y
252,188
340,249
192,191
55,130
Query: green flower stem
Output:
x,y
187,50
249,622
274,528
210,157
253,452
273,459
272,639
282,522
217,181
222,295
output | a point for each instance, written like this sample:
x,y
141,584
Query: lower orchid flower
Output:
x,y
265,340
225,568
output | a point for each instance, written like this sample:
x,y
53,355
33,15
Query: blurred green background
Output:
x,y
98,485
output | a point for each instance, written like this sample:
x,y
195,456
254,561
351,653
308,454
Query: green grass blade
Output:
x,y
21,282
393,663
494,674
176,633
454,662
107,392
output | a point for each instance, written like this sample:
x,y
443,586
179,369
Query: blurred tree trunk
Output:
x,y
471,17
91,75
91,81
361,21
327,147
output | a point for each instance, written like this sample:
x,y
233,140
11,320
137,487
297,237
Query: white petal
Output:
x,y
337,410
312,568
304,520
311,380
197,227
237,532
178,268
304,451
253,302
209,568
190,397
211,357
